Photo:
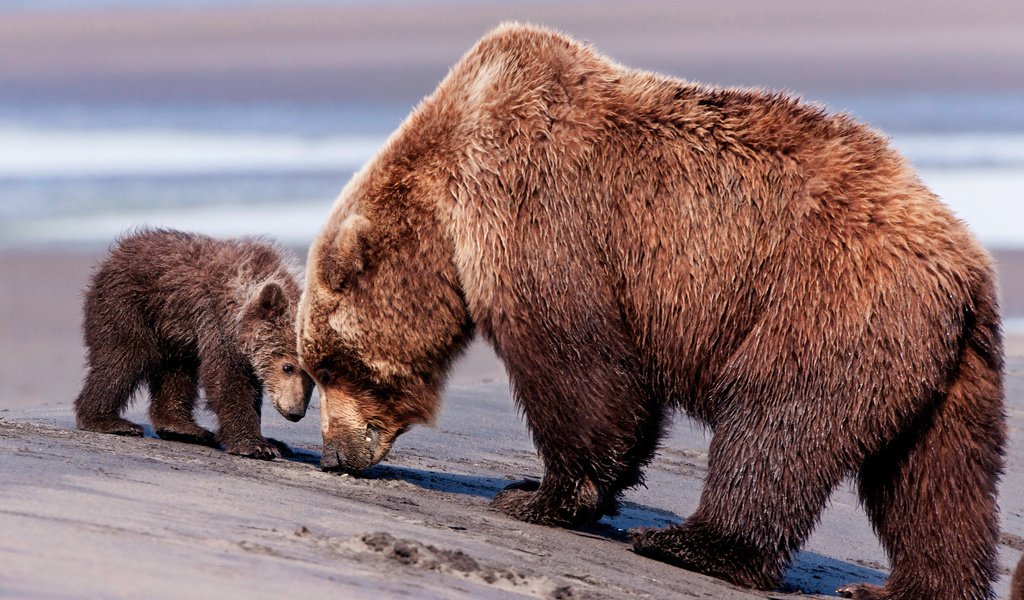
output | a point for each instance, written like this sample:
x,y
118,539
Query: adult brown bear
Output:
x,y
631,244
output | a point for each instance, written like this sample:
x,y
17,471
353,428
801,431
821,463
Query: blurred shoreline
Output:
x,y
40,317
117,113
358,52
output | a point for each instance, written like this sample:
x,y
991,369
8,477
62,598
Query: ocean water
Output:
x,y
73,174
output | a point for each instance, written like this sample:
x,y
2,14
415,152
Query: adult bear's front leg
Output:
x,y
591,417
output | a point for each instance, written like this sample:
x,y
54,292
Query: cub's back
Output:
x,y
180,283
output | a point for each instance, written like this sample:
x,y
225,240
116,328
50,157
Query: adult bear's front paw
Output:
x,y
260,448
527,501
519,501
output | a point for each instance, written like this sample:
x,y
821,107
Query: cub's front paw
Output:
x,y
863,591
260,448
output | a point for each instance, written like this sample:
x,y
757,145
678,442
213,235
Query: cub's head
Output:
x,y
269,328
381,318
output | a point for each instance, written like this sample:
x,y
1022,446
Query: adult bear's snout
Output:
x,y
351,452
331,460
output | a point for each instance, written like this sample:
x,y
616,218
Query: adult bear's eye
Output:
x,y
288,368
324,376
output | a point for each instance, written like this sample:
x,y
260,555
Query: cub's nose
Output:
x,y
291,410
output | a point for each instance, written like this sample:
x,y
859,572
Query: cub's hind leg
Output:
x,y
115,371
103,398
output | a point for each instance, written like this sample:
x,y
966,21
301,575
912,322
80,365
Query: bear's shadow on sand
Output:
x,y
810,572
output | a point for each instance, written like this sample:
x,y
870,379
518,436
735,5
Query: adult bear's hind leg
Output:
x,y
769,479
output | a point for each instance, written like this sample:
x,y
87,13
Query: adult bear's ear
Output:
x,y
344,259
269,303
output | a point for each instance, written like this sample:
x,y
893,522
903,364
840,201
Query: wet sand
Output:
x,y
88,515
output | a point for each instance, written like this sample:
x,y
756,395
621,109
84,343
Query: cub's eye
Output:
x,y
324,376
288,368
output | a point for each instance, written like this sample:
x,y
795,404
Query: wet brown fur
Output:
x,y
181,311
1017,584
631,244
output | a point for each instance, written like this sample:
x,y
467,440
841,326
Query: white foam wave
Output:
x,y
962,150
43,153
990,198
292,222
991,201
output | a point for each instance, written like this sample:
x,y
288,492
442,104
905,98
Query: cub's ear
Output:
x,y
346,257
269,303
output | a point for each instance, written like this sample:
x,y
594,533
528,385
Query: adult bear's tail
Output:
x,y
1017,587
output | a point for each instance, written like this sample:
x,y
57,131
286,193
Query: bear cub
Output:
x,y
181,311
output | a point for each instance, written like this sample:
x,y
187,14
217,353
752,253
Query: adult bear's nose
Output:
x,y
331,459
351,452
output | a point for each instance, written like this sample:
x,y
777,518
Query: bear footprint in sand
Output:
x,y
412,553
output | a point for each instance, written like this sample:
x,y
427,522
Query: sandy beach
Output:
x,y
84,515
88,515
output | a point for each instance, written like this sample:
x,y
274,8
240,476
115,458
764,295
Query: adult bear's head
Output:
x,y
384,311
382,316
